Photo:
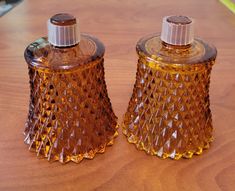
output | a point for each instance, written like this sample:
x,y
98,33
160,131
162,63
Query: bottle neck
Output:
x,y
64,47
171,46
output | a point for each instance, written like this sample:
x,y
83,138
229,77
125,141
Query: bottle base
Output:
x,y
186,154
65,158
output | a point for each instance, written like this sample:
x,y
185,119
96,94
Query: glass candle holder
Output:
x,y
169,112
70,114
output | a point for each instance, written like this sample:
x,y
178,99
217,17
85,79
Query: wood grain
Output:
x,y
119,24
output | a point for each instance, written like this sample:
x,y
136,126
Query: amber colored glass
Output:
x,y
70,115
169,114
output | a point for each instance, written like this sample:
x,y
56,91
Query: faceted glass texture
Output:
x,y
70,114
169,112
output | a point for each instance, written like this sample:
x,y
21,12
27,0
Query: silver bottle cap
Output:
x,y
63,30
177,30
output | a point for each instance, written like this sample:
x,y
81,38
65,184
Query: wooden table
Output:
x,y
119,24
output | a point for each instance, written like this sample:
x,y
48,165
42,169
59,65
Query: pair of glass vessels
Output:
x,y
70,114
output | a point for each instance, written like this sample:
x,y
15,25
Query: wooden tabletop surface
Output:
x,y
119,24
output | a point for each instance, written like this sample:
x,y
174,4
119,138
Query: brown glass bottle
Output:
x,y
70,115
169,114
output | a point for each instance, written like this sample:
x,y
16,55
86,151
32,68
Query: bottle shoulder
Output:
x,y
153,49
42,54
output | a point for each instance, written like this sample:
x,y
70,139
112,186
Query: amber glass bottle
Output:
x,y
70,115
169,114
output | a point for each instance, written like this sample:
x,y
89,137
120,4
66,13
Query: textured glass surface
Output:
x,y
169,114
70,115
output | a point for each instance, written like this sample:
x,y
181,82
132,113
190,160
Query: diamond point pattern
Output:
x,y
168,114
70,115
